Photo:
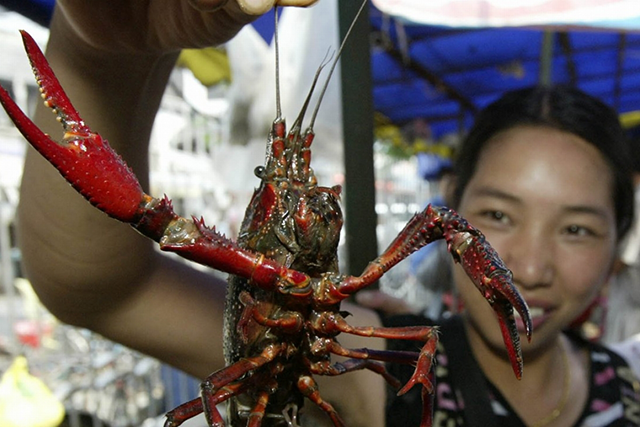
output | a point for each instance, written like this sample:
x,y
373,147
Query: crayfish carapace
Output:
x,y
283,300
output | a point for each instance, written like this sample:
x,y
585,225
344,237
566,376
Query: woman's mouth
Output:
x,y
539,315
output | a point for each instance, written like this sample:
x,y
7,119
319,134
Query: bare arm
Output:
x,y
88,269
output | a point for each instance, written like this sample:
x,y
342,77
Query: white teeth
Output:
x,y
533,312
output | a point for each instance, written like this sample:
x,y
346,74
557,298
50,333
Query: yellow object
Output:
x,y
630,119
25,401
210,65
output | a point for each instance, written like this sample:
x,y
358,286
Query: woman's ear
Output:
x,y
616,266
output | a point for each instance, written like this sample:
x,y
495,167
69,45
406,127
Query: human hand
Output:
x,y
161,25
384,303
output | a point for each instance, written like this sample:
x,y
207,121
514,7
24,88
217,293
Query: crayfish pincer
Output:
x,y
282,312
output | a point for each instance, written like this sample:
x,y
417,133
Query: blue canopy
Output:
x,y
442,75
446,74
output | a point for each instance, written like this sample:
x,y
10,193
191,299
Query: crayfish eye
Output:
x,y
259,171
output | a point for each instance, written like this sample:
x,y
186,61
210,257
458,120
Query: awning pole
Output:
x,y
546,58
357,115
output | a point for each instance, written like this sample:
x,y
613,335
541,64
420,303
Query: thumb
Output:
x,y
255,7
259,7
208,5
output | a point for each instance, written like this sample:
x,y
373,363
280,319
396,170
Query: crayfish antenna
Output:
x,y
277,50
335,62
300,152
300,144
298,122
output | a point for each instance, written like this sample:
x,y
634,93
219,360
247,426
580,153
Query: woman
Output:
x,y
544,174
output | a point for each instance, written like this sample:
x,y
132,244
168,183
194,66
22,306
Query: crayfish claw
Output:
x,y
51,91
492,278
510,335
504,299
518,303
498,288
83,157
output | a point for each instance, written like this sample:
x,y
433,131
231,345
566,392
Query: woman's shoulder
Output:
x,y
614,388
629,350
614,393
625,353
623,358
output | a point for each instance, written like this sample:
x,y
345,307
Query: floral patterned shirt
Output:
x,y
614,393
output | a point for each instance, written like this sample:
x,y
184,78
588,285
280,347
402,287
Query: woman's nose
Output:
x,y
530,257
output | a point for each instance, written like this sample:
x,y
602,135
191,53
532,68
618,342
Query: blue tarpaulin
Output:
x,y
443,74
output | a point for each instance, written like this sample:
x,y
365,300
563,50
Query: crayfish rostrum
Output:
x,y
284,292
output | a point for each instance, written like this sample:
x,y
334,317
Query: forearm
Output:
x,y
66,243
89,269
113,58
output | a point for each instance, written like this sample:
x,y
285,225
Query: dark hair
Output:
x,y
560,107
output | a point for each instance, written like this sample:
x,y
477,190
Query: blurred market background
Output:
x,y
430,66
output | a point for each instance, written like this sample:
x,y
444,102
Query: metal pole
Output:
x,y
357,113
546,58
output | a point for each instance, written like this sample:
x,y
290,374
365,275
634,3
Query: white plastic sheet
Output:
x,y
621,14
307,37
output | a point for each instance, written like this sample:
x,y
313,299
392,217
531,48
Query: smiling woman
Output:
x,y
544,174
546,233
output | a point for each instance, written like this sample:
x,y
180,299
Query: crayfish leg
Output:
x,y
257,414
428,400
354,364
183,412
309,388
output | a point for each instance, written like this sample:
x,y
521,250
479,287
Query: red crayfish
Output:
x,y
283,301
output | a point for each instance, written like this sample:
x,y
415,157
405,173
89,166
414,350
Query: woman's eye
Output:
x,y
498,216
578,230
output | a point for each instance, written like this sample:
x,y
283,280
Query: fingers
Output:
x,y
258,7
207,5
298,3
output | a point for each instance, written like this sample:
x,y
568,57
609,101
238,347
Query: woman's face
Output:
x,y
543,198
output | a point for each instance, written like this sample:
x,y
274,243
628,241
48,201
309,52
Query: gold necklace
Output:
x,y
565,393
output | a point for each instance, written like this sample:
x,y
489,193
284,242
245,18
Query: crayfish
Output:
x,y
282,311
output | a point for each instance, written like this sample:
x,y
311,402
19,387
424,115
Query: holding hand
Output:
x,y
161,25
